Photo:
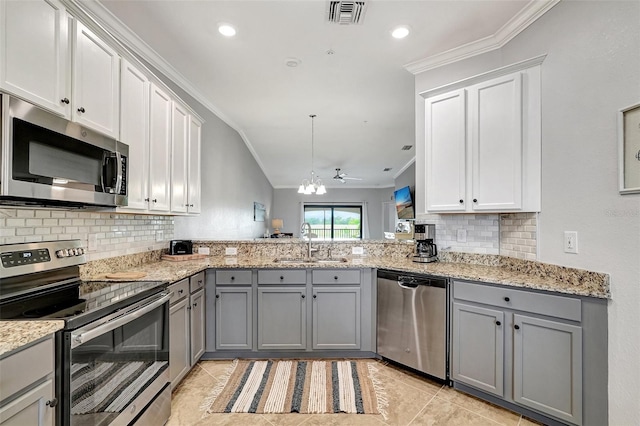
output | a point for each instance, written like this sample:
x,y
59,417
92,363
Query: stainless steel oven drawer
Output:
x,y
158,412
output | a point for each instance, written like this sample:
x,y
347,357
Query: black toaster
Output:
x,y
181,247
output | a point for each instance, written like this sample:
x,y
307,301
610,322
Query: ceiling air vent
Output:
x,y
346,12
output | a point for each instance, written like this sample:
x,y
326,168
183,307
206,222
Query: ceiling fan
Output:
x,y
342,177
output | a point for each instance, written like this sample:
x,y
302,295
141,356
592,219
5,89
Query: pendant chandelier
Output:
x,y
313,185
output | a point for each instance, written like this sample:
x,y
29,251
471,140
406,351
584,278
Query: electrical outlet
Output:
x,y
357,250
231,251
462,236
570,242
203,250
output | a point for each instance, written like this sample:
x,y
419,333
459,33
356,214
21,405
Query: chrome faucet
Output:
x,y
306,226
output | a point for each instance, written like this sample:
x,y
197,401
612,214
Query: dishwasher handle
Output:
x,y
406,285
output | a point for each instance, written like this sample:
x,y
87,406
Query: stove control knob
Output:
x,y
62,253
80,251
74,251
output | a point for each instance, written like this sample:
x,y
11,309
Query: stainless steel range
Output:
x,y
112,356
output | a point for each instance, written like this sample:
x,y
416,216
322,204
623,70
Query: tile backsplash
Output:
x,y
115,234
507,234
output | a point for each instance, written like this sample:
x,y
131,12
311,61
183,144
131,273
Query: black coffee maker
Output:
x,y
426,249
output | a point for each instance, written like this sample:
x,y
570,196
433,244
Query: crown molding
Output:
x,y
405,167
128,38
515,26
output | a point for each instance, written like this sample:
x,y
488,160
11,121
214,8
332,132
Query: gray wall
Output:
x,y
231,182
592,70
407,178
286,205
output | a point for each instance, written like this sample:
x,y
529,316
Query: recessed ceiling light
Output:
x,y
227,30
292,62
400,32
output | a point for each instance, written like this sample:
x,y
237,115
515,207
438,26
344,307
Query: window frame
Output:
x,y
333,207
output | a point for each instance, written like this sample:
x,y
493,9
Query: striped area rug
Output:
x,y
298,386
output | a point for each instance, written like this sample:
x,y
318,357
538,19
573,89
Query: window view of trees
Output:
x,y
335,222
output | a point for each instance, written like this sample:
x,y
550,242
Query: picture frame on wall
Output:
x,y
629,149
258,212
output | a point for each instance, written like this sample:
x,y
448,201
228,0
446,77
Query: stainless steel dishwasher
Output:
x,y
412,321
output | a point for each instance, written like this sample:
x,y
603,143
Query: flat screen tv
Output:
x,y
404,203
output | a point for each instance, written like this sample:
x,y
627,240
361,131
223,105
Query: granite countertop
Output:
x,y
533,275
16,334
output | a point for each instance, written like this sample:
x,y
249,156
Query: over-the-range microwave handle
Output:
x,y
111,168
82,335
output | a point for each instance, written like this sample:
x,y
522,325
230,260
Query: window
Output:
x,y
334,222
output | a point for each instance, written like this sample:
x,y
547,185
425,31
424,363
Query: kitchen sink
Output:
x,y
293,260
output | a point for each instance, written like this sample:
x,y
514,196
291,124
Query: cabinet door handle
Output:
x,y
155,200
281,277
498,323
65,101
190,205
52,402
195,304
147,200
199,281
81,109
506,299
217,296
461,201
233,278
335,277
180,291
517,327
303,296
475,200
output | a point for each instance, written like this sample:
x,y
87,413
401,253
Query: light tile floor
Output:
x,y
413,400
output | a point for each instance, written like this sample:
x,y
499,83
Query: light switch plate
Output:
x,y
203,250
231,251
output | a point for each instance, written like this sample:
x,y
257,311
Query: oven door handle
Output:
x,y
82,336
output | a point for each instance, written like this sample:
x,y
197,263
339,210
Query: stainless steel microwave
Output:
x,y
50,161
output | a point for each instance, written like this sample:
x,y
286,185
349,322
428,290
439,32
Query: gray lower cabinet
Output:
x,y
186,325
197,322
336,317
179,359
27,386
282,318
234,318
478,336
522,347
547,367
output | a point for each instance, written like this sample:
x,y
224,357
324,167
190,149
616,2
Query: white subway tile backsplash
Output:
x,y
518,235
115,233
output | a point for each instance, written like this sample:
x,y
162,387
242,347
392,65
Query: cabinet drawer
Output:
x,y
519,300
282,276
238,276
196,282
336,276
179,289
26,367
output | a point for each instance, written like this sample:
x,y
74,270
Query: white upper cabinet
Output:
x,y
96,82
445,124
482,147
495,115
195,135
179,157
134,131
34,53
160,149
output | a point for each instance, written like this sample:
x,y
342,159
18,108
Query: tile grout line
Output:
x,y
479,414
420,411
